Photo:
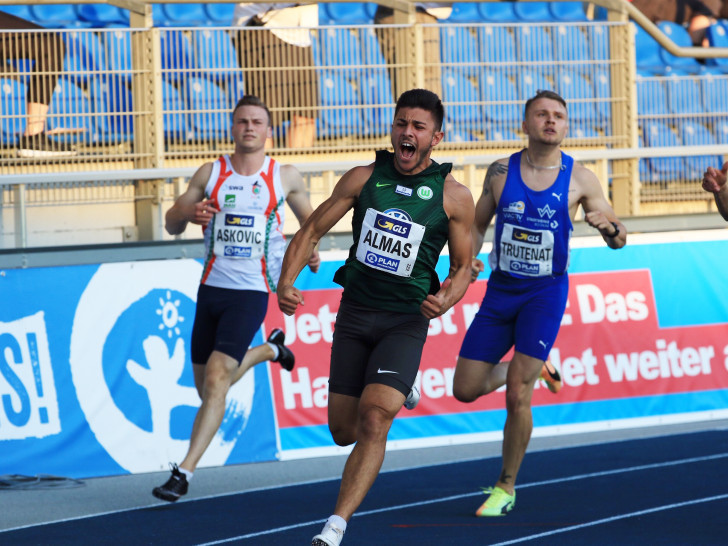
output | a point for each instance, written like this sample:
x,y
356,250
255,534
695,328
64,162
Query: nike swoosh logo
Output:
x,y
380,370
380,185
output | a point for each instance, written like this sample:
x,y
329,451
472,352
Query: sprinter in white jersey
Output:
x,y
239,202
534,196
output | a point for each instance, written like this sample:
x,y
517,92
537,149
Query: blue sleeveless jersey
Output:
x,y
532,228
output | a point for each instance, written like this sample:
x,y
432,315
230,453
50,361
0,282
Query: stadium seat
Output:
x,y
697,134
215,54
111,100
679,35
70,108
532,11
497,12
501,97
220,14
656,134
571,46
464,12
534,44
102,15
529,81
717,37
714,91
648,53
376,97
583,131
598,36
337,47
461,100
371,50
20,10
497,47
602,81
85,55
455,135
56,16
579,95
235,89
503,135
209,109
176,126
459,49
177,56
117,45
567,11
347,13
720,131
683,94
340,115
185,15
12,98
651,95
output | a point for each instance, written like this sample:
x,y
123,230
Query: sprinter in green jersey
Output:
x,y
406,208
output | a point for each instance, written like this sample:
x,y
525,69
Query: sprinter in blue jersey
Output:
x,y
534,195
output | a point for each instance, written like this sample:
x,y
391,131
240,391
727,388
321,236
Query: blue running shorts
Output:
x,y
226,320
525,313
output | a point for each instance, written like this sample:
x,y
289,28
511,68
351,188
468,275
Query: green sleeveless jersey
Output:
x,y
399,228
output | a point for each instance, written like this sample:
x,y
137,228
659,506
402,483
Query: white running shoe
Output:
x,y
330,536
413,398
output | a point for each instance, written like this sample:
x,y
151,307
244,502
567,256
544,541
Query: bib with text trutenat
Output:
x,y
389,244
526,251
239,235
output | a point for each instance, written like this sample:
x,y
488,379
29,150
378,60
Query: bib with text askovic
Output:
x,y
389,244
239,235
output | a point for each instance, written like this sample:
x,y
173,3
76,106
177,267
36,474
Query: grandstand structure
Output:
x,y
146,92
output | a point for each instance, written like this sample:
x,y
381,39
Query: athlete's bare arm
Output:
x,y
459,207
714,181
598,213
298,199
343,198
495,180
192,206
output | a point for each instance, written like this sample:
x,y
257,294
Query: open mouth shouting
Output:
x,y
407,150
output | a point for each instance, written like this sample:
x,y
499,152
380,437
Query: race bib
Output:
x,y
389,244
527,252
239,235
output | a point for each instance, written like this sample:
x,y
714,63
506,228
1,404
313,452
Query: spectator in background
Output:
x,y
47,51
286,79
714,181
426,13
695,15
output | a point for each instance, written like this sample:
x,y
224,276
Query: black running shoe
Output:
x,y
40,146
175,487
285,357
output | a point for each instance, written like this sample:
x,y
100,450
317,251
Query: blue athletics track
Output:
x,y
650,486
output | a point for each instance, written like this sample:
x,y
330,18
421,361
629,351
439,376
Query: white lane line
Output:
x,y
474,494
613,518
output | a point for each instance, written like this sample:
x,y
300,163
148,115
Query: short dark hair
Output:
x,y
252,100
422,98
543,94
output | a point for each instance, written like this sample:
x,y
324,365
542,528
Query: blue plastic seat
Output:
x,y
209,109
459,49
376,97
461,100
215,54
679,35
111,100
12,98
174,119
567,11
720,131
21,10
497,47
571,46
697,134
464,12
85,55
602,82
102,15
497,12
56,16
714,91
598,36
651,96
657,134
717,35
503,135
347,13
185,15
532,11
371,50
583,131
337,47
683,94
340,115
534,44
579,95
530,81
648,53
117,45
501,97
220,14
70,108
177,56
